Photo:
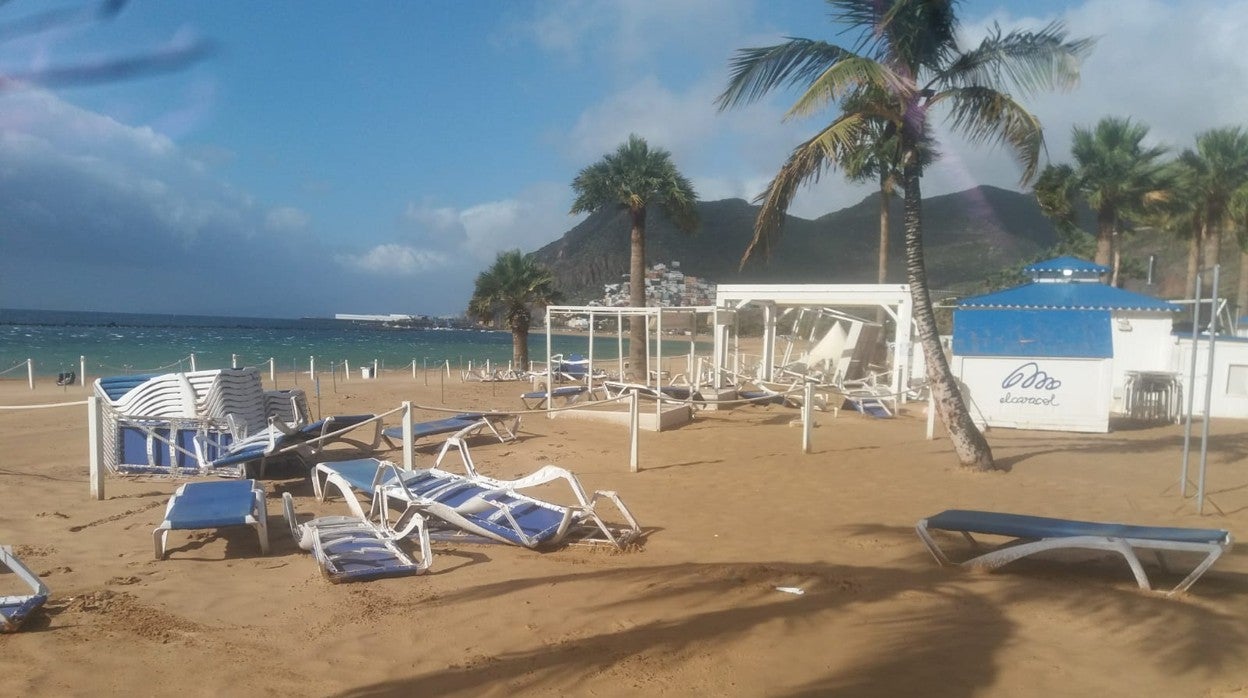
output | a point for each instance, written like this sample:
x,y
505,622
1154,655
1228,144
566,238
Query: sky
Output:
x,y
346,157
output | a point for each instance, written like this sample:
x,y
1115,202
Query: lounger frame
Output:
x,y
337,542
20,606
1020,547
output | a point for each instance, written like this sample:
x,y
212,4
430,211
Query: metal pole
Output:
x,y
82,369
95,446
273,371
633,421
30,372
1204,435
311,367
1191,389
413,369
808,413
193,369
375,367
346,368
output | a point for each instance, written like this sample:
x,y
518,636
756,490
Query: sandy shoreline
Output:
x,y
733,510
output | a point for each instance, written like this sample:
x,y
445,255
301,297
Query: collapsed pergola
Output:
x,y
894,299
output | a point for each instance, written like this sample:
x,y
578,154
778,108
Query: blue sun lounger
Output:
x,y
218,504
301,443
467,422
1034,534
15,609
566,394
479,505
353,549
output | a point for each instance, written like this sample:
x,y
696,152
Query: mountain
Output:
x,y
967,236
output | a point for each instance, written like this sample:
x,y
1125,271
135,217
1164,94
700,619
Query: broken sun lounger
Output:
x,y
502,425
15,609
1034,534
198,505
353,549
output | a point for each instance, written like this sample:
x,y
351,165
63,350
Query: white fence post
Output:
x,y
272,371
808,414
193,369
311,367
82,369
30,372
375,366
633,422
409,444
95,448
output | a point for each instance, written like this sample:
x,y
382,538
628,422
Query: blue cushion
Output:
x,y
212,504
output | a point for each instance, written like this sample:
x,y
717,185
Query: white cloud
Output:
x,y
394,259
286,218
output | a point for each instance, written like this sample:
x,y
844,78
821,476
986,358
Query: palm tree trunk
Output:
x,y
968,442
520,345
882,270
1241,297
1104,236
1212,239
1193,263
637,295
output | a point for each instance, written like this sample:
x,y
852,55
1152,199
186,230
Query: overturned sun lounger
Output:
x,y
197,505
566,395
479,505
352,549
502,425
1034,534
14,610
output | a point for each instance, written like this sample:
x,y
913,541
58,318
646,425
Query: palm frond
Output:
x,y
985,115
757,71
844,76
1023,61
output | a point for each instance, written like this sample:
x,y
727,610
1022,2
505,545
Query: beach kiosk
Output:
x,y
1064,351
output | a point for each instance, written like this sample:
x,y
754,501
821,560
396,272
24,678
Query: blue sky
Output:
x,y
374,157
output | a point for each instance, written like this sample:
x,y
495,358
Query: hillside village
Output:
x,y
666,286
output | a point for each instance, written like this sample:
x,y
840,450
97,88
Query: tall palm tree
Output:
x,y
1114,172
1219,166
510,289
633,177
908,50
1238,214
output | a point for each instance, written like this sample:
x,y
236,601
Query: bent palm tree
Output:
x,y
632,178
1114,173
907,49
510,289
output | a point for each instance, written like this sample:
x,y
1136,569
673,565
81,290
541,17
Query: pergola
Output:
x,y
894,299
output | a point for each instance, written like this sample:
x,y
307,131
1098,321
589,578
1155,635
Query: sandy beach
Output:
x,y
732,510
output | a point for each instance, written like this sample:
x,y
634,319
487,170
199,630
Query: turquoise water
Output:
x,y
116,343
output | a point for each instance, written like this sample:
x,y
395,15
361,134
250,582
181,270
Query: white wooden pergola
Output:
x,y
894,299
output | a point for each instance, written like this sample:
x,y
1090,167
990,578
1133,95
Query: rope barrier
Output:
x,y
21,364
41,407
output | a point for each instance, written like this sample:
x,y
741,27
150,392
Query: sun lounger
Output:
x,y
479,505
15,609
302,443
1034,534
468,422
218,504
673,392
566,395
353,549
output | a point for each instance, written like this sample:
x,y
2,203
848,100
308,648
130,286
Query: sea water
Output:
x,y
118,343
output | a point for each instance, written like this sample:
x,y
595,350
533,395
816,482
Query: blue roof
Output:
x,y
1063,263
1079,334
1073,296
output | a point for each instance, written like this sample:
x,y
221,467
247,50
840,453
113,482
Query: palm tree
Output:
x,y
907,49
1114,173
632,178
1219,166
510,289
1238,210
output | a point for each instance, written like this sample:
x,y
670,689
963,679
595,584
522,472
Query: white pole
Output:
x,y
193,369
633,421
448,368
1204,435
82,369
346,367
413,369
30,372
808,413
95,448
375,374
311,367
272,371
550,373
233,360
409,444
